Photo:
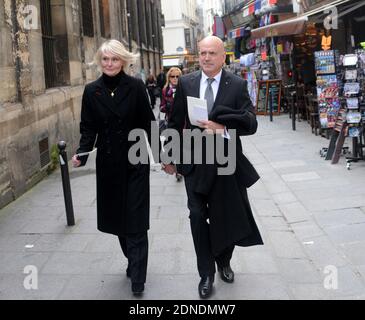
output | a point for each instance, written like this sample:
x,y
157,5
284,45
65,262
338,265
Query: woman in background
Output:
x,y
168,94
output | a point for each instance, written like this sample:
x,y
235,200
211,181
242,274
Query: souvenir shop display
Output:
x,y
351,88
326,61
350,121
351,74
353,92
249,67
352,103
328,86
247,60
349,60
252,85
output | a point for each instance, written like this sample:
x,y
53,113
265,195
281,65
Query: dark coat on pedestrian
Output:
x,y
161,80
123,197
240,226
229,212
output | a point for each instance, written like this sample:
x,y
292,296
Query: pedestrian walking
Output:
x,y
161,80
112,106
151,86
167,100
220,213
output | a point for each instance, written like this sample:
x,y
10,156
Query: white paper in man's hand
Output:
x,y
197,109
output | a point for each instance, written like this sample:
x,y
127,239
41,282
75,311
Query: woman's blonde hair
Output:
x,y
115,47
176,69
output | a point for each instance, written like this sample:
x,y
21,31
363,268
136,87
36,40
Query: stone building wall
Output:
x,y
31,111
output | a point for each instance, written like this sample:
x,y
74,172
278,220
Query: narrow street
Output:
x,y
311,215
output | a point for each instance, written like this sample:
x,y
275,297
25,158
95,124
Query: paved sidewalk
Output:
x,y
311,215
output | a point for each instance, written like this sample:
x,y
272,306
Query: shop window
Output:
x,y
87,18
104,18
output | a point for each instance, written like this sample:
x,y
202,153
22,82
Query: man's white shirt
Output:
x,y
215,87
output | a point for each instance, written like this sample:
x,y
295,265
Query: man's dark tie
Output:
x,y
209,96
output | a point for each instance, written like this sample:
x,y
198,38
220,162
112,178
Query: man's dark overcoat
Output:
x,y
229,211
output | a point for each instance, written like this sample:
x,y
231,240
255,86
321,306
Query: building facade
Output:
x,y
229,5
211,9
181,33
46,52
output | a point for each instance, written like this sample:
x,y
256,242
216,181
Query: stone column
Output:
x,y
16,85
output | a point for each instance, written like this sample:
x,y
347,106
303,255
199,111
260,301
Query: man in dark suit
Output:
x,y
220,214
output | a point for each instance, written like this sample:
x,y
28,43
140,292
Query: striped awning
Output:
x,y
283,28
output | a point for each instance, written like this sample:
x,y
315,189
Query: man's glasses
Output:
x,y
175,77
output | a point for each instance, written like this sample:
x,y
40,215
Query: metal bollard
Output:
x,y
293,112
270,105
66,183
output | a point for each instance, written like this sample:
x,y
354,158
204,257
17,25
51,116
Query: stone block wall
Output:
x,y
30,111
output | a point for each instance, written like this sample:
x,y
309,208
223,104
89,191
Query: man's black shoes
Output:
x,y
227,274
206,287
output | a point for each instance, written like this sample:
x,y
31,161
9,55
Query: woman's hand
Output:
x,y
211,126
75,161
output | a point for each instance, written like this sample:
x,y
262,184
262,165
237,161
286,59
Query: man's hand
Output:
x,y
168,168
211,126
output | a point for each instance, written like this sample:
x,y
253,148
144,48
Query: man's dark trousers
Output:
x,y
197,205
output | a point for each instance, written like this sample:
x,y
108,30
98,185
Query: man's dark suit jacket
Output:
x,y
232,96
231,219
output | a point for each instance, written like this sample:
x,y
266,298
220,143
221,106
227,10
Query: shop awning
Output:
x,y
282,28
291,26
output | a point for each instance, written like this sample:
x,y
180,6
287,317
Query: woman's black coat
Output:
x,y
123,197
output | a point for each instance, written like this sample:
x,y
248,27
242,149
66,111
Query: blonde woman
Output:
x,y
168,91
112,106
